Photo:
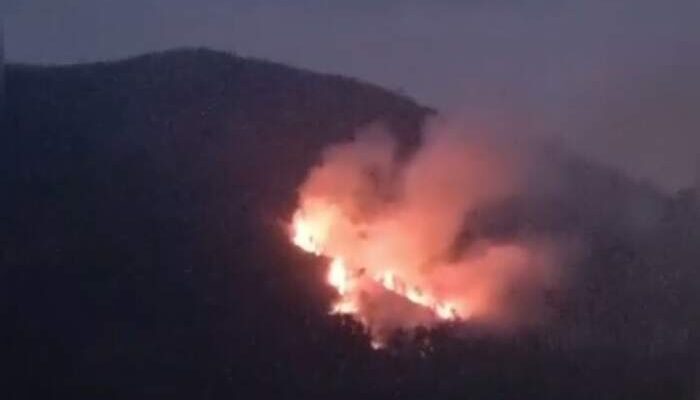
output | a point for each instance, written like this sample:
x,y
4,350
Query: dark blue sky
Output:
x,y
618,80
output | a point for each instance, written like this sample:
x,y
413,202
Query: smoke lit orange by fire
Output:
x,y
389,229
345,280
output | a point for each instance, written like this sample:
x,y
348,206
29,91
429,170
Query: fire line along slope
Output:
x,y
145,249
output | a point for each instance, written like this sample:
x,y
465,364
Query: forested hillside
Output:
x,y
143,250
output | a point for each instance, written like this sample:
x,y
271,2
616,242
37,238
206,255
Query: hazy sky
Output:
x,y
617,80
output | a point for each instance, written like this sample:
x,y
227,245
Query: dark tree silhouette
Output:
x,y
142,253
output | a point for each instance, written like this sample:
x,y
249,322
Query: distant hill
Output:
x,y
200,107
143,254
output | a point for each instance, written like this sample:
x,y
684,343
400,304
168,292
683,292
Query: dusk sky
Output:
x,y
616,80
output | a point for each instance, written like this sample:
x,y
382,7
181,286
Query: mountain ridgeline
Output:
x,y
143,251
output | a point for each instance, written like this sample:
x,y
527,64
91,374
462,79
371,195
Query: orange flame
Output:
x,y
310,235
338,276
388,227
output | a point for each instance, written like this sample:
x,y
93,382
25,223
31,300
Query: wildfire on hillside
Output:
x,y
389,230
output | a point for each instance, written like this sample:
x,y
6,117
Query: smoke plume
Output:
x,y
399,236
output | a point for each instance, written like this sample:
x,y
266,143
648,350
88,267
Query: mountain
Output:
x,y
144,255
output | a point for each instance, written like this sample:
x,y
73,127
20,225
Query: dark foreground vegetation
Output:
x,y
143,255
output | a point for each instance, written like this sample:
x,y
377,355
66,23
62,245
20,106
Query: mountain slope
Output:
x,y
143,252
143,199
